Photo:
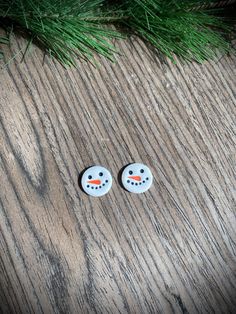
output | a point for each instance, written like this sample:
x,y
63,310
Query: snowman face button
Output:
x,y
96,181
136,178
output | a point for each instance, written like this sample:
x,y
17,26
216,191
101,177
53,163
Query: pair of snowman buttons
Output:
x,y
97,180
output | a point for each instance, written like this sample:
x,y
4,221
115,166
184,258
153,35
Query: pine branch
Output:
x,y
178,27
66,29
69,29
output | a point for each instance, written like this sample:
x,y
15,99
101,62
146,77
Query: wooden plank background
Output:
x,y
171,249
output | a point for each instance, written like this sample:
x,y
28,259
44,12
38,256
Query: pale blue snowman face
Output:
x,y
137,178
96,181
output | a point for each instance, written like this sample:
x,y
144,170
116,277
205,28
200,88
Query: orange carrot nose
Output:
x,y
137,178
94,182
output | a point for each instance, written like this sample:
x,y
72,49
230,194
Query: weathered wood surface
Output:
x,y
172,249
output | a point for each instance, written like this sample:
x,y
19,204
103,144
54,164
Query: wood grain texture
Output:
x,y
169,250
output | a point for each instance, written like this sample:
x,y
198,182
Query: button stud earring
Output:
x,y
136,178
96,181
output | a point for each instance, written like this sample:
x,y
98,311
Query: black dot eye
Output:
x,y
130,172
142,171
100,174
90,177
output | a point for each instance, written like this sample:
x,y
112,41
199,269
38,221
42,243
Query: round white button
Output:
x,y
136,178
96,181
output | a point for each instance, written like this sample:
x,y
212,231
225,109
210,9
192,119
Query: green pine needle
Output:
x,y
4,41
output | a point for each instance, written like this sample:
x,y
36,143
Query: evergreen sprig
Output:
x,y
69,29
178,27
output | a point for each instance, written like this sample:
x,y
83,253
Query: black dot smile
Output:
x,y
97,187
135,183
